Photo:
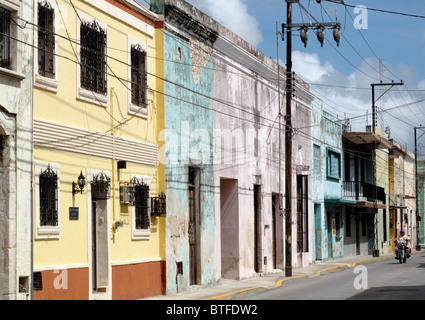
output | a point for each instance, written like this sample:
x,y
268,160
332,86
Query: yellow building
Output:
x,y
402,196
99,231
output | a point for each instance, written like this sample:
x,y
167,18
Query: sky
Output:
x,y
342,76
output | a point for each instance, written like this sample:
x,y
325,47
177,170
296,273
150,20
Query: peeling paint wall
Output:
x,y
188,126
246,149
16,159
326,194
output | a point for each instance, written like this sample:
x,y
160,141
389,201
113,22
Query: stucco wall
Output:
x,y
188,126
16,125
326,192
246,144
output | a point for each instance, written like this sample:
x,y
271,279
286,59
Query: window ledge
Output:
x,y
46,83
12,74
93,97
140,111
141,234
48,232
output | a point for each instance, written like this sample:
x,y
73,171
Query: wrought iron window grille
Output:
x,y
46,40
138,76
37,281
158,205
5,35
100,187
93,57
48,197
141,197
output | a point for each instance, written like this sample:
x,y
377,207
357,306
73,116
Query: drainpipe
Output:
x,y
31,278
113,160
32,239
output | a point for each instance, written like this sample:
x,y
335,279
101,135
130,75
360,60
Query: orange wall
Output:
x,y
77,285
129,282
137,281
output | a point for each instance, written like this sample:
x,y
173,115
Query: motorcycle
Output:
x,y
402,251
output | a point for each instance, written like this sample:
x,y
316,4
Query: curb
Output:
x,y
279,283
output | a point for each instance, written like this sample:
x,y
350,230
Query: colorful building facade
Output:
x,y
249,162
99,229
402,193
188,121
366,184
328,234
16,57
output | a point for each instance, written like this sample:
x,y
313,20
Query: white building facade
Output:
x,y
249,166
16,57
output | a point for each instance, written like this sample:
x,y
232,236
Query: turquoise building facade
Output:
x,y
188,122
327,178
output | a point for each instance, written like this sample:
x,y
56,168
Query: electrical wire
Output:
x,y
192,102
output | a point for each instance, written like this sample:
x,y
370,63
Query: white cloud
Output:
x,y
351,95
233,14
308,66
421,85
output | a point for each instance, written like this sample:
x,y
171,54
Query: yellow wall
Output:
x,y
64,107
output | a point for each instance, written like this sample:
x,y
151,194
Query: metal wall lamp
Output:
x,y
79,185
158,205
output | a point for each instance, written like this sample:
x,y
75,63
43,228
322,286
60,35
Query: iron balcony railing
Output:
x,y
360,190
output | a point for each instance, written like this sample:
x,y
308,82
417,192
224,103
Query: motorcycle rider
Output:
x,y
406,239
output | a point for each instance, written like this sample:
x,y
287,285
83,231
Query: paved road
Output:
x,y
386,280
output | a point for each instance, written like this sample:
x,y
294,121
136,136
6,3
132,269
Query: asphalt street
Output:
x,y
385,280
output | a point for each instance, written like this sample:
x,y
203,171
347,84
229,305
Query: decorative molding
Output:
x,y
60,137
126,17
136,261
61,267
187,20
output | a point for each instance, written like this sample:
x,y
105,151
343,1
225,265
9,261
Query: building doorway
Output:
x,y
194,223
229,228
277,230
258,266
99,250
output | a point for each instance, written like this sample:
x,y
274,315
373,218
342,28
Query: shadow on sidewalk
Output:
x,y
392,293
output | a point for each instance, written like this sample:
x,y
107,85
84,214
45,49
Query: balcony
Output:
x,y
363,192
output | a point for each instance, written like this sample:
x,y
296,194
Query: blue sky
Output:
x,y
398,40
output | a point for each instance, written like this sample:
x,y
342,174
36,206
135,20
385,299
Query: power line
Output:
x,y
163,79
383,11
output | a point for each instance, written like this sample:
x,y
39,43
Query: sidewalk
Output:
x,y
226,289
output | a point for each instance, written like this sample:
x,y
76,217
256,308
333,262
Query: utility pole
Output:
x,y
418,246
288,145
303,28
380,84
280,120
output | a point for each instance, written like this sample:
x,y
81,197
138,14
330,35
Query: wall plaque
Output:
x,y
73,213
